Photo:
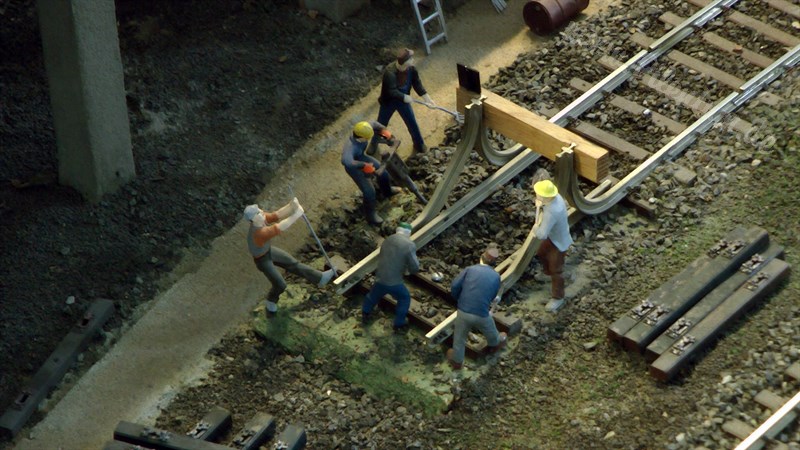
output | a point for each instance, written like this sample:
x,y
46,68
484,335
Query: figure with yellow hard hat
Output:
x,y
552,229
360,166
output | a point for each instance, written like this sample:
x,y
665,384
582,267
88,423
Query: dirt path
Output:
x,y
165,349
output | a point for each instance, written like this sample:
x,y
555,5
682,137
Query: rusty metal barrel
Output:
x,y
544,16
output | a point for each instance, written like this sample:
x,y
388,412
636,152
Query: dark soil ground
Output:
x,y
219,93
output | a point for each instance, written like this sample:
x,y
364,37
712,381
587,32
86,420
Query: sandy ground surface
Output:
x,y
166,348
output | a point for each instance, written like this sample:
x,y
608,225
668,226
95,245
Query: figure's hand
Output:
x,y
368,168
407,98
428,100
295,203
538,203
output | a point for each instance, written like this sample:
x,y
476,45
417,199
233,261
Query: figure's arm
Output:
x,y
416,83
264,234
348,158
412,263
542,230
390,82
458,283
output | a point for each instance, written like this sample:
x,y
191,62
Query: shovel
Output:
x,y
456,115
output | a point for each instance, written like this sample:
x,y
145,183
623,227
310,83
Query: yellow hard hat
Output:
x,y
363,130
545,188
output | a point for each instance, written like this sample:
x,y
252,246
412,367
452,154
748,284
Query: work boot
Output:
x,y
400,328
366,318
327,276
500,345
453,364
272,308
373,218
554,305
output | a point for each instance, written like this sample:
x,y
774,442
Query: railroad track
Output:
x,y
784,414
484,111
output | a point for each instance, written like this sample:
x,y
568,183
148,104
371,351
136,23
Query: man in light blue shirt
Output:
x,y
552,228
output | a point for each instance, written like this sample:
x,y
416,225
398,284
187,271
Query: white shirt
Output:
x,y
554,224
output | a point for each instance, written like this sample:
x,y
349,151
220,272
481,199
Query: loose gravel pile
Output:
x,y
563,386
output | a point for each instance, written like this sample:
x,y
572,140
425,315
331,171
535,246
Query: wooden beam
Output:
x,y
788,8
535,132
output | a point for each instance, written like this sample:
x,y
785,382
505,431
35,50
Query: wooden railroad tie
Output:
x,y
689,285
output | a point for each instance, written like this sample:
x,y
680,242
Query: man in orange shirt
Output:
x,y
264,226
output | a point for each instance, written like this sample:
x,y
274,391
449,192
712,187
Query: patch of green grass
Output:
x,y
373,376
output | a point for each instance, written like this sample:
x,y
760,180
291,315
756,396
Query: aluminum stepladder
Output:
x,y
437,14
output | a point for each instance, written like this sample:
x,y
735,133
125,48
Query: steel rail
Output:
x,y
640,61
767,426
564,162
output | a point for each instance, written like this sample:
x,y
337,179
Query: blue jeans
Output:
x,y
398,291
466,322
362,181
407,114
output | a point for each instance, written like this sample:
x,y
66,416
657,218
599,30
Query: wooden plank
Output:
x,y
707,330
705,69
784,6
680,96
739,429
794,371
722,43
536,133
622,325
710,302
609,140
756,25
684,297
632,107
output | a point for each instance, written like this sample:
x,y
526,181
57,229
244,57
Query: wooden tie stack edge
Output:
x,y
684,316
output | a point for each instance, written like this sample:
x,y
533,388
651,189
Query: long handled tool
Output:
x,y
311,229
456,115
499,5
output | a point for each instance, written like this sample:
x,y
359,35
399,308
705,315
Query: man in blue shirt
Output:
x,y
476,289
552,228
361,166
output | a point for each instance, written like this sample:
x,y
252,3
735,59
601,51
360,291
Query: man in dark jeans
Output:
x,y
398,79
398,255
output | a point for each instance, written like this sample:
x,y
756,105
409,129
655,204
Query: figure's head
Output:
x,y
489,256
545,191
363,131
253,214
405,59
404,228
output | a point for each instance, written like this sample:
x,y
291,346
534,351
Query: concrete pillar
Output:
x,y
87,94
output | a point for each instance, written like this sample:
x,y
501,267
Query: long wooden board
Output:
x,y
708,70
538,134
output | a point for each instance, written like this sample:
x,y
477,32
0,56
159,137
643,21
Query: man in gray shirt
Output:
x,y
552,228
398,255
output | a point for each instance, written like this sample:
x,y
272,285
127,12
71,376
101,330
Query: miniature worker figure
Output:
x,y
360,166
476,289
552,228
398,79
397,256
263,227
